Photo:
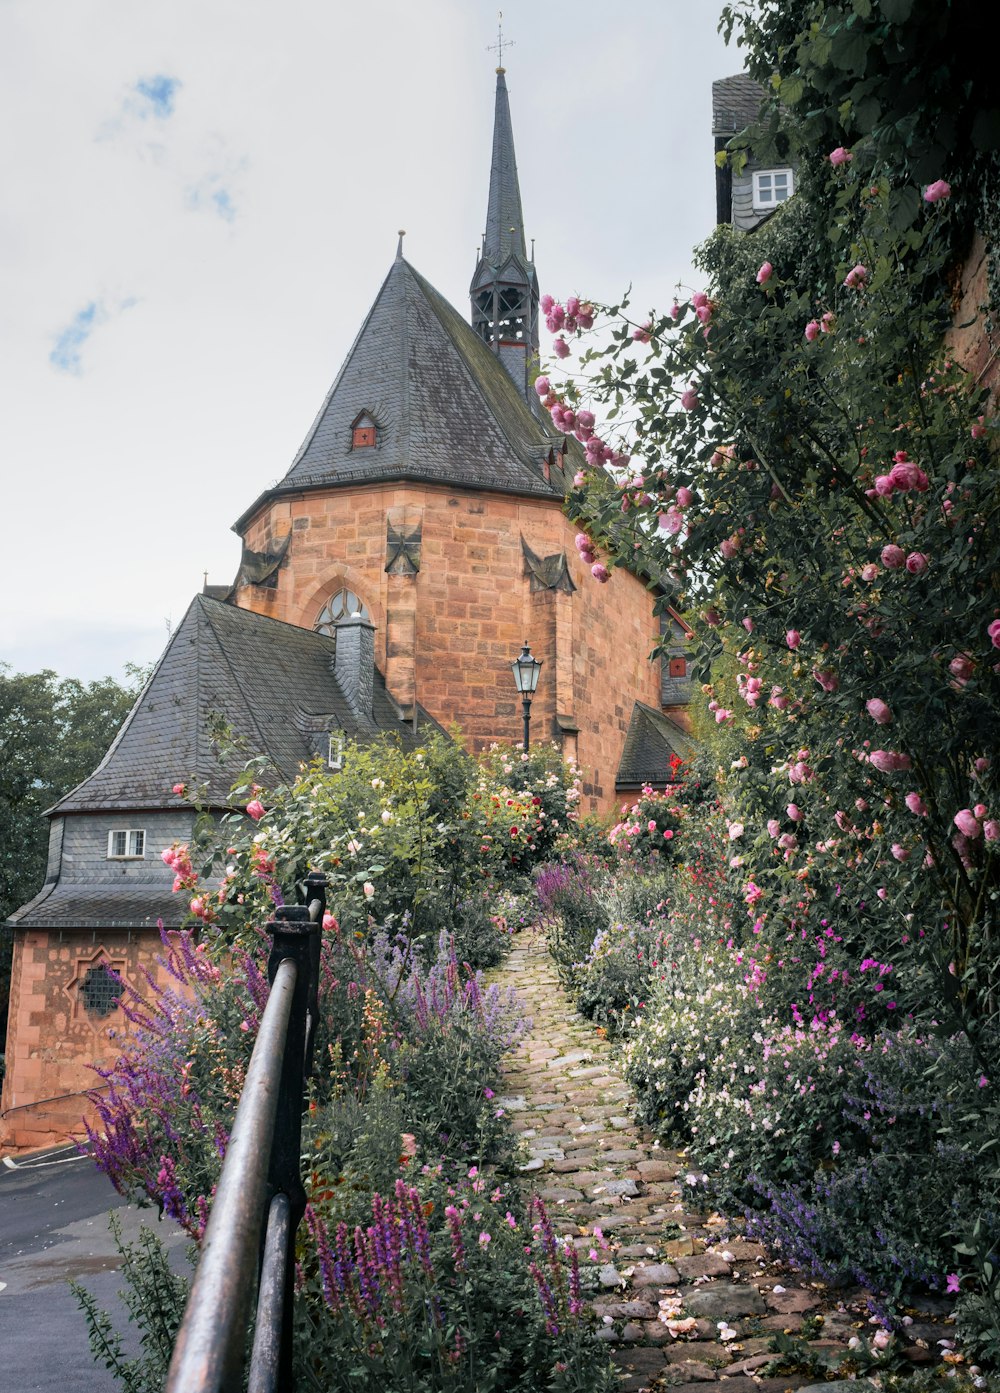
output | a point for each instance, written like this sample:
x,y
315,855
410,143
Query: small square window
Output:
x,y
363,436
335,751
771,187
678,667
127,844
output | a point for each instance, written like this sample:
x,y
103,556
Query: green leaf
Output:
x,y
849,50
896,11
904,206
791,90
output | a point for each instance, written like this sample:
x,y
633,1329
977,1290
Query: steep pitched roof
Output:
x,y
272,683
652,738
736,103
76,905
504,218
445,409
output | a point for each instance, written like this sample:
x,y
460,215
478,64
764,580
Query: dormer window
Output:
x,y
127,844
364,432
335,750
771,187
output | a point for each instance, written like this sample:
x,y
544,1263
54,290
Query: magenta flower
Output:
x,y
689,399
828,322
856,277
579,479
827,678
953,1283
765,273
879,711
582,541
543,386
916,804
600,573
961,667
811,330
684,497
991,830
671,521
642,334
893,557
901,853
793,638
840,156
916,562
794,812
255,809
993,629
560,347
936,191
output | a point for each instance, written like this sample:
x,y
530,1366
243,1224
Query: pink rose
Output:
x,y
961,667
369,889
967,823
585,420
856,277
893,557
828,322
889,761
993,629
793,638
330,924
255,809
794,812
916,562
179,790
684,497
579,479
728,548
884,485
671,521
901,853
543,386
827,678
600,573
747,623
560,347
546,303
936,191
916,804
869,572
991,830
689,399
840,156
765,273
643,334
811,330
879,711
774,827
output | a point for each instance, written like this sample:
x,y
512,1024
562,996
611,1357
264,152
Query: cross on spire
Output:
x,y
498,47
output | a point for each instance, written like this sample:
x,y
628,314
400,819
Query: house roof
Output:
x,y
74,905
445,408
271,683
736,103
651,739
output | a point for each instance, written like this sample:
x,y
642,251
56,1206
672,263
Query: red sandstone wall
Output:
x,y
52,1038
469,609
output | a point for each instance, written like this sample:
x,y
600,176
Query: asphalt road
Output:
x,y
53,1230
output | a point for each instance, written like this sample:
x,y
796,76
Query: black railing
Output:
x,y
260,1199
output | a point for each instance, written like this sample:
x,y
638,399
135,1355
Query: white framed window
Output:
x,y
335,750
771,187
127,844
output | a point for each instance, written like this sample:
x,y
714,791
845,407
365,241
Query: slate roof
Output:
x,y
736,103
445,408
504,217
273,684
72,905
652,738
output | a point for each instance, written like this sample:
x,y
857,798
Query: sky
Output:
x,y
198,203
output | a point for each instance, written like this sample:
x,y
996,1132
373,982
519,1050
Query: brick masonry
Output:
x,y
449,633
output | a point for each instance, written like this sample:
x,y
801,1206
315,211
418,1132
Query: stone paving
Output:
x,y
681,1297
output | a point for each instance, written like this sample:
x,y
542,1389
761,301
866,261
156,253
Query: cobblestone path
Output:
x,y
666,1259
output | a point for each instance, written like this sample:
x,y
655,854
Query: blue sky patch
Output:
x,y
211,195
66,350
157,95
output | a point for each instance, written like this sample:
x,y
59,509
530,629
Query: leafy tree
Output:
x,y
53,731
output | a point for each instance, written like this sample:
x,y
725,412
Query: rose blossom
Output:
x,y
255,809
916,562
993,630
893,557
811,330
879,711
889,761
793,638
840,156
967,823
765,273
916,804
936,191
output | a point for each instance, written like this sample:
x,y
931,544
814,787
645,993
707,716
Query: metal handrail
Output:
x,y
260,1178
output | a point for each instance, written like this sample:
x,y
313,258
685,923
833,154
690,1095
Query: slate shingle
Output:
x,y
652,738
271,682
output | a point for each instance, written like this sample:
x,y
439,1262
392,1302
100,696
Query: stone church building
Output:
x,y
418,539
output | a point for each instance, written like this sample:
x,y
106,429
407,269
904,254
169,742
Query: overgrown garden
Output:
x,y
797,942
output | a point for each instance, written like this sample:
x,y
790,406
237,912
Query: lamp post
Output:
x,y
526,669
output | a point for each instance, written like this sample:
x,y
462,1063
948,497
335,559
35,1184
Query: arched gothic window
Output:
x,y
343,605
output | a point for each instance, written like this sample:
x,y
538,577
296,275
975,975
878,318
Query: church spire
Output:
x,y
505,288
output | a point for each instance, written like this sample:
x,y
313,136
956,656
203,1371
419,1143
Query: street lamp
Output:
x,y
526,669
